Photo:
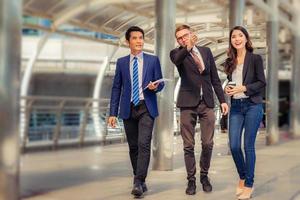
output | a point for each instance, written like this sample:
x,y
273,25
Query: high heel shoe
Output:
x,y
247,193
240,188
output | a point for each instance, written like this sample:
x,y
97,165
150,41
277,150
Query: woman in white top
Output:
x,y
246,73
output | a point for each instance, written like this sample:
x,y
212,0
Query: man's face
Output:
x,y
136,41
182,37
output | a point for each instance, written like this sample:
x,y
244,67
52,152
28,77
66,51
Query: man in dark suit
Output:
x,y
198,74
133,89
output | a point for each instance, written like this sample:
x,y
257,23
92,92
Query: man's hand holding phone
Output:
x,y
153,85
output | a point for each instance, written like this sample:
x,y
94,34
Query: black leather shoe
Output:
x,y
137,190
144,186
191,188
206,186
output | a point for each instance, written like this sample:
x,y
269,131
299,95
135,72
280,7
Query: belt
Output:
x,y
141,102
240,100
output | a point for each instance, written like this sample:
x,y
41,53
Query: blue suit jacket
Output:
x,y
121,89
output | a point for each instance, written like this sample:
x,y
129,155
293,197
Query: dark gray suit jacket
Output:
x,y
253,77
191,79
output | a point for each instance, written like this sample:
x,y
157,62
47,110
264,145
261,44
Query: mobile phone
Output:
x,y
231,83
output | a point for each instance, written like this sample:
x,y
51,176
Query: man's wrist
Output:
x,y
189,48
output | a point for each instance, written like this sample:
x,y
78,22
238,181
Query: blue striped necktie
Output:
x,y
135,83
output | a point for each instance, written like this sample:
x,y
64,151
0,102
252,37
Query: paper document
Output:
x,y
159,81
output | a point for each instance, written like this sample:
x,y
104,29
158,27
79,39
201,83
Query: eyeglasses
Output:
x,y
183,37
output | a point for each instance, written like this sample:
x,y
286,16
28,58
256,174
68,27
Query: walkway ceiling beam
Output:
x,y
112,19
291,9
84,5
36,14
128,21
45,29
94,27
25,5
133,10
266,8
93,16
55,6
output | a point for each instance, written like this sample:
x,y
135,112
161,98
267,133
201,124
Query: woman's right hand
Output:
x,y
228,89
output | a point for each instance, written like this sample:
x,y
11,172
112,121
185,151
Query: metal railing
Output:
x,y
53,121
57,121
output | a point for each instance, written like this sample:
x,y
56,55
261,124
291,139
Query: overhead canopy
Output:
x,y
109,19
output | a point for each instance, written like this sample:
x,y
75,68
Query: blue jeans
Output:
x,y
246,115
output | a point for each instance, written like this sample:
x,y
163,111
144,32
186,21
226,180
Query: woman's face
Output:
x,y
238,39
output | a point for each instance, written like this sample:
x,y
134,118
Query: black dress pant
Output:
x,y
138,129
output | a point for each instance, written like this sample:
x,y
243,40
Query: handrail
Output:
x,y
60,120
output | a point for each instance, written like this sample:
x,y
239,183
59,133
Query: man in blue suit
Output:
x,y
134,89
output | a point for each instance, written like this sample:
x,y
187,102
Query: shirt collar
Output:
x,y
195,49
139,56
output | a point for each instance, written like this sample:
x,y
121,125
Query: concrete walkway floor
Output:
x,y
104,173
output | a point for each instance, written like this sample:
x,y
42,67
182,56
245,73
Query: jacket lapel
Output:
x,y
246,64
127,67
203,55
192,59
145,67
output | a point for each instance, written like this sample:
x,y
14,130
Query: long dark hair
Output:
x,y
231,61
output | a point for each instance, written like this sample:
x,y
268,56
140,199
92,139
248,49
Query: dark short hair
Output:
x,y
180,27
132,29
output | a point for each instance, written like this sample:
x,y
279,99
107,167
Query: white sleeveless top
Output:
x,y
237,76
